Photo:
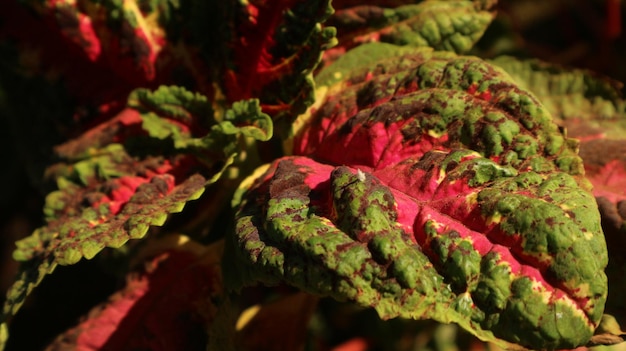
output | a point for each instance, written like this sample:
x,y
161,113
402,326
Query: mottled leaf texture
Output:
x,y
579,99
165,306
431,186
449,25
590,108
110,190
278,44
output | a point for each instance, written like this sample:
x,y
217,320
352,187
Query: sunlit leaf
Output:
x,y
453,197
577,98
443,25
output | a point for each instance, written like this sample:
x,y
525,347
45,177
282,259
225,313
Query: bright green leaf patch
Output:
x,y
186,109
330,231
443,25
246,117
422,184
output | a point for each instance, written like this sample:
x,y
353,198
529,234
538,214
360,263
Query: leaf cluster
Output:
x,y
240,165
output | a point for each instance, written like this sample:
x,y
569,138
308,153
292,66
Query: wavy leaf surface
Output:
x,y
579,98
590,108
443,25
431,186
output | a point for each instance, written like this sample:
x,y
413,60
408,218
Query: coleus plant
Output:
x,y
400,175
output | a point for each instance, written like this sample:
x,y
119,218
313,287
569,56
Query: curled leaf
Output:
x,y
190,112
454,197
109,191
189,120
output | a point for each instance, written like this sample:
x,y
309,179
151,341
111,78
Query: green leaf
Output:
x,y
84,219
185,118
570,94
443,25
591,109
605,167
170,103
247,117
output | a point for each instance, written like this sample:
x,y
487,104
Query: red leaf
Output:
x,y
356,344
56,53
280,325
166,306
271,65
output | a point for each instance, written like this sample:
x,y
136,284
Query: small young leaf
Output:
x,y
177,114
173,103
246,117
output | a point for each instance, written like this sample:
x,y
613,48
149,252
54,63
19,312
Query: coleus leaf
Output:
x,y
165,305
101,51
590,108
604,156
444,25
110,191
125,32
53,58
454,197
278,44
573,96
